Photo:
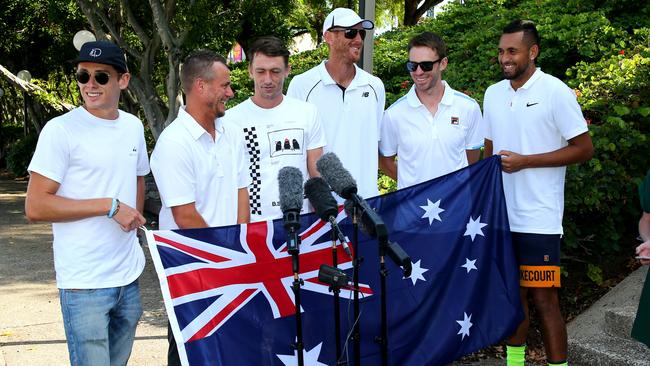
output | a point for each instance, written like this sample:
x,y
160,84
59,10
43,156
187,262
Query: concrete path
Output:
x,y
31,329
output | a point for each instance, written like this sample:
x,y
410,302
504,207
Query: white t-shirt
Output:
x,y
350,118
92,157
275,138
429,146
538,117
190,167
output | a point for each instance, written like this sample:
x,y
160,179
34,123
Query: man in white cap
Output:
x,y
350,101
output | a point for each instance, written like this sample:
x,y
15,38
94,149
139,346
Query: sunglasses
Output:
x,y
411,66
101,77
351,33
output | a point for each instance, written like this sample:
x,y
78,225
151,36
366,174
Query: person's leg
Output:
x,y
123,321
173,359
85,320
516,343
554,332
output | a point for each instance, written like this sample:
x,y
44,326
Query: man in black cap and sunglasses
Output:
x,y
350,101
433,129
87,178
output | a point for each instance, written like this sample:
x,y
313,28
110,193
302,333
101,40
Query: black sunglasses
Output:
x,y
351,33
101,77
411,66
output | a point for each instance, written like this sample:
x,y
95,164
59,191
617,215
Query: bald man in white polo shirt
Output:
x,y
433,130
350,101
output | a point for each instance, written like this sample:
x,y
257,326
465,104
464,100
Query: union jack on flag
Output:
x,y
229,298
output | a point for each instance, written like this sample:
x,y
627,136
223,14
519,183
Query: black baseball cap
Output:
x,y
102,52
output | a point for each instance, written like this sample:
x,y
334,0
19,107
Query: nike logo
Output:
x,y
530,104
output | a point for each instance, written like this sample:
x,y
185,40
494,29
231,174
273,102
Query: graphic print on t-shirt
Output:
x,y
290,141
253,148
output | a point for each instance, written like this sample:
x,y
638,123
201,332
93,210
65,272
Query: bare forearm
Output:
x,y
388,165
312,157
473,155
644,227
140,195
243,210
49,207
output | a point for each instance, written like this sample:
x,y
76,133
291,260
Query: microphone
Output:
x,y
318,193
290,186
341,181
344,185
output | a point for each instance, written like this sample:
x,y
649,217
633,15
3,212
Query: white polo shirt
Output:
x,y
429,146
538,117
351,119
189,167
274,138
91,157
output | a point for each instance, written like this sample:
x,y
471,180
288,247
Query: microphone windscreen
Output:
x,y
336,175
290,187
318,193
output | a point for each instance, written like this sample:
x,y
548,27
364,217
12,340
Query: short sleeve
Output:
x,y
388,136
476,132
143,158
52,154
567,113
316,135
174,173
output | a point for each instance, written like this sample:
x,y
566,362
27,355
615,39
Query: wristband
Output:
x,y
115,207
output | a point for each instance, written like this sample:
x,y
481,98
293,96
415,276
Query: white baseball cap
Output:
x,y
345,18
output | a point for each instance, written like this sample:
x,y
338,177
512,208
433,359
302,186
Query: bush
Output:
x,y
20,154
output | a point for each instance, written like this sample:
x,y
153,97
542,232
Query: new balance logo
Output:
x,y
365,94
530,104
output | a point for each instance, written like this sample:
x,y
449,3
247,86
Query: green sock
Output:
x,y
515,355
559,364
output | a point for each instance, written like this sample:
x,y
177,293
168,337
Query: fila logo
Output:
x,y
531,104
455,120
365,94
95,52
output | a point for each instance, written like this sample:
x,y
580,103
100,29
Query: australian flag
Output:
x,y
229,298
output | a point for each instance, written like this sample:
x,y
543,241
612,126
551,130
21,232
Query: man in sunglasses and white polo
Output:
x,y
87,178
433,129
350,101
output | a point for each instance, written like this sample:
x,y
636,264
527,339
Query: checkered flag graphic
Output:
x,y
253,147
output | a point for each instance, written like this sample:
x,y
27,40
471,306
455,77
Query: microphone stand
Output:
x,y
293,247
337,304
383,274
356,262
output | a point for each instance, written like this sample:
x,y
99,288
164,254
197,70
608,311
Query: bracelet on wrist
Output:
x,y
115,207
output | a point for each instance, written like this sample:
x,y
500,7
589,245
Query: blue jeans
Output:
x,y
100,323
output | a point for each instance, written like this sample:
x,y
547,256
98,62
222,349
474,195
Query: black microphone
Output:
x,y
344,185
290,186
341,181
318,193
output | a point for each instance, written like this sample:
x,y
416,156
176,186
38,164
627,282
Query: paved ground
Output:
x,y
31,329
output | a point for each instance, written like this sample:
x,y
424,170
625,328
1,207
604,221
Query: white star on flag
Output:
x,y
474,227
416,272
432,211
310,357
469,265
465,324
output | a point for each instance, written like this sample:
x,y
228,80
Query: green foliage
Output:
x,y
20,154
606,61
595,273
